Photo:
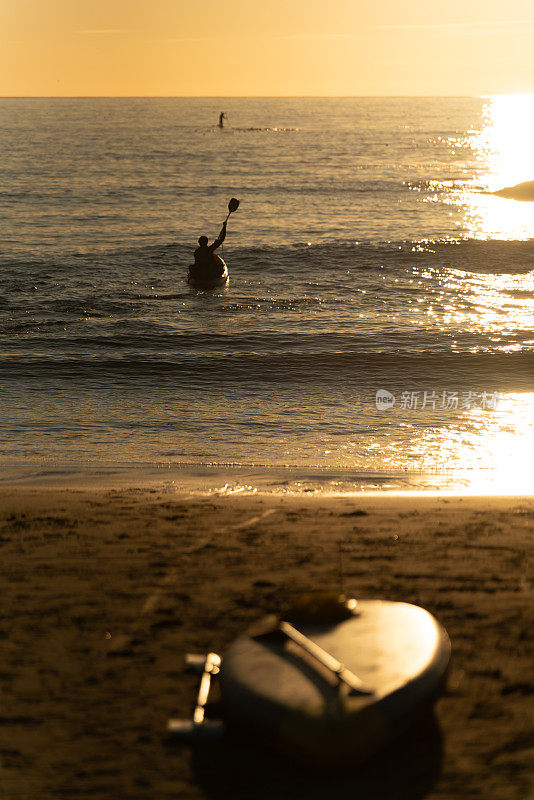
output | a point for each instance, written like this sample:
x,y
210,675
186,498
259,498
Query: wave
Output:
x,y
126,335
261,129
493,371
465,255
491,256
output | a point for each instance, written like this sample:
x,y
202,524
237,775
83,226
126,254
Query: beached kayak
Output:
x,y
206,283
385,664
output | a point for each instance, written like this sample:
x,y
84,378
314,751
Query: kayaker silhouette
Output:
x,y
207,263
208,266
222,116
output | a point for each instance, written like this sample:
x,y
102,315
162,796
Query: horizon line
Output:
x,y
240,96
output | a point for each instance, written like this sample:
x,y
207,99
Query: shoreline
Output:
x,y
106,590
227,479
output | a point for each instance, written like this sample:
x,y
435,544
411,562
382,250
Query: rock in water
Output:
x,y
521,191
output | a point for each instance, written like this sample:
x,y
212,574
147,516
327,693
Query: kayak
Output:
x,y
213,283
331,694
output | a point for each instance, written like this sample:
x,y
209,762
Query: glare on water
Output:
x,y
495,454
489,451
505,141
503,445
503,148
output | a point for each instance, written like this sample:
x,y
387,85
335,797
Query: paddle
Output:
x,y
233,205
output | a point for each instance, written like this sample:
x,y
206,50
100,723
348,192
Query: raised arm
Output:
x,y
220,239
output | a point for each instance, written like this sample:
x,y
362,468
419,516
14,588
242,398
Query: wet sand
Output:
x,y
103,592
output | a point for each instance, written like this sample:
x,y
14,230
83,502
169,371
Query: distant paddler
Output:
x,y
222,117
209,269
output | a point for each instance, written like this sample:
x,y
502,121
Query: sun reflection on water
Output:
x,y
503,151
502,446
492,453
505,142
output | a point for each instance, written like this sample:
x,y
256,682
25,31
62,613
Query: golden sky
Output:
x,y
265,47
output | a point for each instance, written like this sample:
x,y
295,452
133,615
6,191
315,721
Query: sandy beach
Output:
x,y
103,593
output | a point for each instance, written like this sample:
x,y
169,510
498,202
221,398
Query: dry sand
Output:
x,y
103,592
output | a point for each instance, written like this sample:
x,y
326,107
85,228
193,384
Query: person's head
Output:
x,y
203,241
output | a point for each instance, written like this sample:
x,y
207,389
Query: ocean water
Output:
x,y
368,255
